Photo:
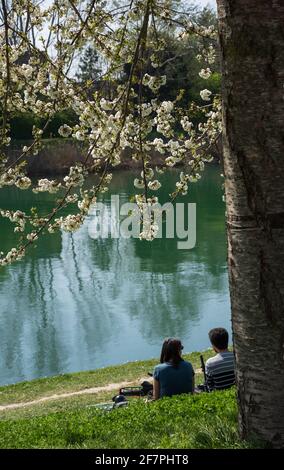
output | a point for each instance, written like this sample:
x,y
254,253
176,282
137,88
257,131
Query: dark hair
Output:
x,y
219,338
171,351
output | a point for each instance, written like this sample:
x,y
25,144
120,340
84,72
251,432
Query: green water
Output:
x,y
75,303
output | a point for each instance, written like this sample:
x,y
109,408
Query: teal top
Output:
x,y
174,380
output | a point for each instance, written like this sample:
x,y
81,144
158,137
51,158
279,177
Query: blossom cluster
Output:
x,y
35,77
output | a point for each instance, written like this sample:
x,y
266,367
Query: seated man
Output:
x,y
220,369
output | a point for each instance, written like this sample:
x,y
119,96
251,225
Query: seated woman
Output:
x,y
173,375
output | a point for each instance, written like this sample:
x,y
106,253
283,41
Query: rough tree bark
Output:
x,y
252,54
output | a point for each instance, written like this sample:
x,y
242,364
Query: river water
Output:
x,y
78,303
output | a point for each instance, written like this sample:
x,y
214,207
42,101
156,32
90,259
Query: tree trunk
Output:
x,y
252,54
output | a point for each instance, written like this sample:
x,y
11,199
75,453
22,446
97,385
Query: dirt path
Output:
x,y
87,391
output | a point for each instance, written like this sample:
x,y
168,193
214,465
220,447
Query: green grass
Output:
x,y
131,371
199,421
24,392
186,421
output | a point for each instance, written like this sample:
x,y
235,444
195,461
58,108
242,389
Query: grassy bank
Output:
x,y
200,421
130,371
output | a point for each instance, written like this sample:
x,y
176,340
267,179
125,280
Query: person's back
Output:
x,y
173,375
220,369
174,380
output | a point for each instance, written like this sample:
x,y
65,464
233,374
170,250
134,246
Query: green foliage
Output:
x,y
63,117
21,125
177,61
198,421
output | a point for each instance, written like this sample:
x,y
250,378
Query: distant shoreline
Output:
x,y
59,154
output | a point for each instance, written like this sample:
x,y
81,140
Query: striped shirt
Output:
x,y
220,371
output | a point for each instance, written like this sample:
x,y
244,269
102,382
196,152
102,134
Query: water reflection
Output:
x,y
76,303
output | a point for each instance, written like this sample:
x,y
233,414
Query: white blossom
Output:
x,y
159,145
106,105
149,232
149,173
167,106
80,135
32,236
154,83
205,94
71,223
139,184
205,73
186,124
108,115
23,182
154,185
64,130
46,185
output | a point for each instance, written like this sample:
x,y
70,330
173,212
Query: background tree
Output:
x,y
89,68
180,61
252,44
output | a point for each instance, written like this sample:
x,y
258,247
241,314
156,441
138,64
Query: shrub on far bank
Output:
x,y
21,125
